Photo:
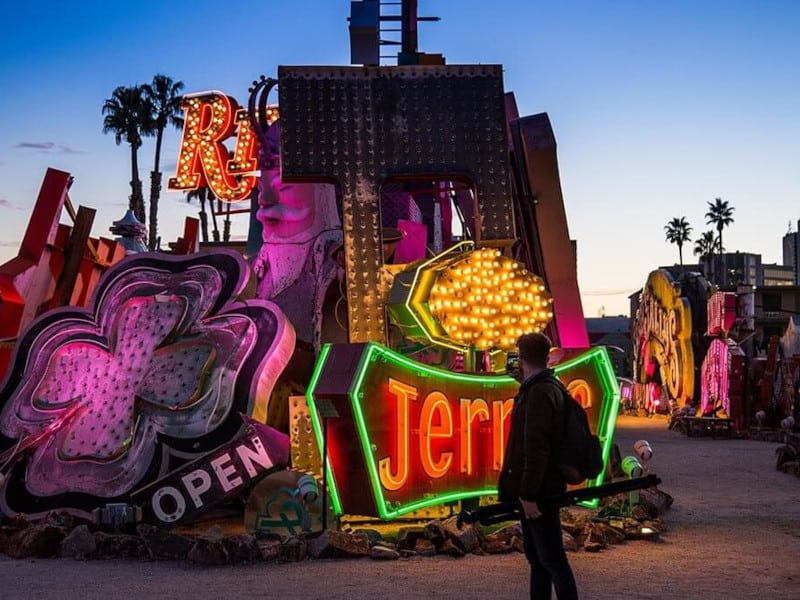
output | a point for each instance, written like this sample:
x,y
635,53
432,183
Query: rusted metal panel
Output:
x,y
358,126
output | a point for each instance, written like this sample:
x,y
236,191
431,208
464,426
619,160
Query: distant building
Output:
x,y
732,269
791,252
775,274
774,306
615,334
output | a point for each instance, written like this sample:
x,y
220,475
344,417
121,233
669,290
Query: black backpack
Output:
x,y
580,454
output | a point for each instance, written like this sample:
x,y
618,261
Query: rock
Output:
x,y
241,548
207,551
607,534
269,549
468,538
407,537
60,519
494,546
379,552
572,522
425,547
657,525
614,506
507,533
570,545
293,550
594,537
119,545
655,501
434,531
6,533
79,544
449,548
407,553
639,513
338,544
373,535
39,541
592,546
517,544
164,545
385,544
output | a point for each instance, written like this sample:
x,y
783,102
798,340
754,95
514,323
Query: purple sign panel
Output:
x,y
155,373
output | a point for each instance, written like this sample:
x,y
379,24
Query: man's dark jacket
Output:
x,y
530,468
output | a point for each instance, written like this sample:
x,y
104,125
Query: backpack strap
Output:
x,y
565,397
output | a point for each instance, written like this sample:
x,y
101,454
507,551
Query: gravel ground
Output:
x,y
733,533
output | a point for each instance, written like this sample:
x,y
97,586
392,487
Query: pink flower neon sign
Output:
x,y
157,371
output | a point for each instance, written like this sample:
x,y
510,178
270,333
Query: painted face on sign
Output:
x,y
285,210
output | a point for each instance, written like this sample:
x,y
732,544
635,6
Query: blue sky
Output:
x,y
658,107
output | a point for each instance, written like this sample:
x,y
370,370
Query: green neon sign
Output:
x,y
407,470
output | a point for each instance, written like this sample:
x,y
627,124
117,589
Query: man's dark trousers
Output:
x,y
545,551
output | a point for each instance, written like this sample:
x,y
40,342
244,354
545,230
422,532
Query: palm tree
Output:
x,y
705,246
164,95
678,232
720,215
128,115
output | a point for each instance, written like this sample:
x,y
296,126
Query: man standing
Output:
x,y
530,470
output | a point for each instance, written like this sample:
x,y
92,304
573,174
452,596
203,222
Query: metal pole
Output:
x,y
324,474
409,26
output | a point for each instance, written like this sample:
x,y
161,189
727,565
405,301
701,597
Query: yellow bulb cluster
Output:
x,y
487,301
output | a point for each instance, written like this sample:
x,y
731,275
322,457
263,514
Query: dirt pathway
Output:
x,y
733,533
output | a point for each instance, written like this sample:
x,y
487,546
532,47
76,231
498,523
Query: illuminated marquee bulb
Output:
x,y
501,300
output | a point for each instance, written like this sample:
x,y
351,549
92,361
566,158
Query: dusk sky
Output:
x,y
657,107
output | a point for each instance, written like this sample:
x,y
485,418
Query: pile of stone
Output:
x,y
60,536
789,455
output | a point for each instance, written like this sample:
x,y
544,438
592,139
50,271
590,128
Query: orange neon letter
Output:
x,y
581,391
245,152
501,409
394,480
203,160
435,403
470,409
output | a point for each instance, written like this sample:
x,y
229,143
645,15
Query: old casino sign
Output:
x,y
662,337
182,495
408,436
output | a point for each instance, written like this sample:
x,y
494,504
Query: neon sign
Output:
x,y
662,336
204,160
427,436
179,497
716,377
465,298
721,313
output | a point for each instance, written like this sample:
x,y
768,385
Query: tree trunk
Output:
x,y
155,191
137,200
215,230
203,215
680,255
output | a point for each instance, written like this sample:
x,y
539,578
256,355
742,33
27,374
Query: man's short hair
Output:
x,y
534,349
